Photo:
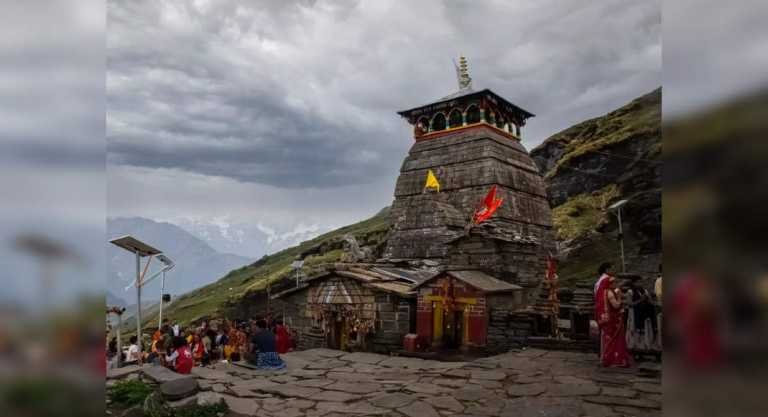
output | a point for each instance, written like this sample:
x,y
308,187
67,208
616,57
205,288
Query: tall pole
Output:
x,y
138,302
621,244
119,342
162,291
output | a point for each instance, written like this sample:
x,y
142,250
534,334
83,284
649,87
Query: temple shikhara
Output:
x,y
466,255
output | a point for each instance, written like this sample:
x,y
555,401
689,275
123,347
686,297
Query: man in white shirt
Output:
x,y
134,354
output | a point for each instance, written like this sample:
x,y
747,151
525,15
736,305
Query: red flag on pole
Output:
x,y
490,205
551,267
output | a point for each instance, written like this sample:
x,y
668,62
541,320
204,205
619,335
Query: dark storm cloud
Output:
x,y
304,94
52,149
716,56
51,84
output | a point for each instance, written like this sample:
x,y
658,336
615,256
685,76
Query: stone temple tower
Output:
x,y
471,141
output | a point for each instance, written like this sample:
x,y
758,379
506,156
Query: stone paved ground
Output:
x,y
322,382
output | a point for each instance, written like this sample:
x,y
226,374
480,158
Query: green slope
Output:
x,y
593,164
214,299
638,119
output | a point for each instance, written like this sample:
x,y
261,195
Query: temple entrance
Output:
x,y
453,330
335,332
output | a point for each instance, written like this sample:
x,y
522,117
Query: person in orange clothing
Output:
x,y
237,343
198,349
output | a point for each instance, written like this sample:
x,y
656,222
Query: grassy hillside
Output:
x,y
213,299
640,118
593,164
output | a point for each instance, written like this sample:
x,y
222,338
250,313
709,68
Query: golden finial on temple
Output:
x,y
465,81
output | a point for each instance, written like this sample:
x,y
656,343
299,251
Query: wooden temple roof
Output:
x,y
479,280
398,281
466,94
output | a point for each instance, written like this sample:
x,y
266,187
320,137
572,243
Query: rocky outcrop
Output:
x,y
595,163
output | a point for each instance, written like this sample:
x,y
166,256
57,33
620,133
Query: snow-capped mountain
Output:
x,y
197,263
248,239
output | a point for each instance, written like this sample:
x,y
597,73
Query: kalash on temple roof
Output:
x,y
464,108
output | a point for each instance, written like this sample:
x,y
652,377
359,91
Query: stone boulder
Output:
x,y
179,388
209,398
161,374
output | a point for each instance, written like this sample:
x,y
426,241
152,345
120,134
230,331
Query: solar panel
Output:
x,y
134,245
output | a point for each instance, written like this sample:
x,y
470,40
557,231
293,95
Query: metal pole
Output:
x,y
162,291
119,342
621,244
138,302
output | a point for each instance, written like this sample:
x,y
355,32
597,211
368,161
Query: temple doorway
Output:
x,y
453,329
335,335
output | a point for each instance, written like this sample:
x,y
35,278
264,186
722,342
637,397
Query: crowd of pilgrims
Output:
x,y
256,341
261,341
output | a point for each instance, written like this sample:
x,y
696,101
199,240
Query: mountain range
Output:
x,y
246,239
196,262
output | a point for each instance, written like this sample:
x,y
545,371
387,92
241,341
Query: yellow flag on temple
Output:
x,y
432,181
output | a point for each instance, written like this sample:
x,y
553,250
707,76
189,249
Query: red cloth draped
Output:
x,y
613,339
282,339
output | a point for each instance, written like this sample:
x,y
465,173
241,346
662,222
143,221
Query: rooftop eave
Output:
x,y
526,114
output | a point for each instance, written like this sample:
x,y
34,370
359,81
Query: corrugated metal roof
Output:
x,y
360,276
396,287
414,276
483,281
479,280
399,281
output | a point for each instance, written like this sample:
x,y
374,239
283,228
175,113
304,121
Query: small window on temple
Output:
x,y
455,119
423,125
490,118
473,114
500,123
438,122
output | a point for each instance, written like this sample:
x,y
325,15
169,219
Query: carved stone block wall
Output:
x,y
430,225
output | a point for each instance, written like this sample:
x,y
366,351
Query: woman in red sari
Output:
x,y
610,319
282,338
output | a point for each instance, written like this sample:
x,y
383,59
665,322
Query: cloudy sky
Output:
x,y
283,113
